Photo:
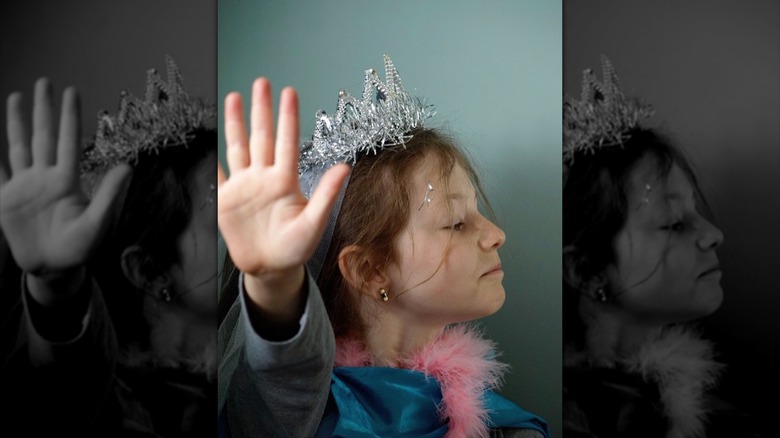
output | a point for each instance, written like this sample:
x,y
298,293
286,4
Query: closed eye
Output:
x,y
456,227
676,226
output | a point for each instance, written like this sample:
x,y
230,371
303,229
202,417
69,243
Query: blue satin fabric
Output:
x,y
392,402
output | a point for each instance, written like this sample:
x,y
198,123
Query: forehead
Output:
x,y
430,171
649,181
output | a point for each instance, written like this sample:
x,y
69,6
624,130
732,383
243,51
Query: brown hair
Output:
x,y
375,210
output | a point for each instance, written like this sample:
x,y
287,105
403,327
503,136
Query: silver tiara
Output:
x,y
166,117
385,116
602,117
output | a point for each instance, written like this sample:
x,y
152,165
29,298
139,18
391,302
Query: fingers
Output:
x,y
18,151
261,150
43,141
287,148
45,150
325,194
261,142
235,133
69,145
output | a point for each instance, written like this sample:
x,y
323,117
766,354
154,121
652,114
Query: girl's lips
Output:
x,y
713,270
496,269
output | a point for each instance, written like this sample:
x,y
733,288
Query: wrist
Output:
x,y
61,319
52,288
276,295
274,288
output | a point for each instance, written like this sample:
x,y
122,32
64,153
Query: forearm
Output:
x,y
56,288
313,339
57,317
275,302
284,385
76,330
66,378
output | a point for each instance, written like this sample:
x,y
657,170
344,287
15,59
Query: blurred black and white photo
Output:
x,y
671,119
108,218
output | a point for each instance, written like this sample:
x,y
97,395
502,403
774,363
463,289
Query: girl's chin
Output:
x,y
496,305
708,304
715,301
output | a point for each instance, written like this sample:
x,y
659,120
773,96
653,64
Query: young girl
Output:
x,y
397,250
640,261
118,323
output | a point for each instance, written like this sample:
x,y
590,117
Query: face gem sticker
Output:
x,y
427,198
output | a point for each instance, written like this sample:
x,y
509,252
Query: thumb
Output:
x,y
324,197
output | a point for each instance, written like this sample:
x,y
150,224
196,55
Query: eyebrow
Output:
x,y
459,196
677,196
669,197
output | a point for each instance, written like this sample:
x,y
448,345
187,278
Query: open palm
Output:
x,y
50,224
267,223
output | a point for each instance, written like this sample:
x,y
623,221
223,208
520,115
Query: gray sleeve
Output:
x,y
274,389
93,346
67,380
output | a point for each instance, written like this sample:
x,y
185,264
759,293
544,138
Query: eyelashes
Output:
x,y
675,226
679,226
456,226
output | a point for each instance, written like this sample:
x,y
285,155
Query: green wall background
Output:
x,y
493,69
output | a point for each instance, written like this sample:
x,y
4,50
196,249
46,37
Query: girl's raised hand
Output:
x,y
269,227
49,222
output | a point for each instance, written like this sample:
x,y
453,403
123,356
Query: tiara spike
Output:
x,y
392,77
374,86
587,93
611,80
155,88
175,80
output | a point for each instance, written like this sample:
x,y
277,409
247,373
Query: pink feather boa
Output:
x,y
461,360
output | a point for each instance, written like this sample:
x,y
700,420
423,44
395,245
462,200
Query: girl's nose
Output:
x,y
493,237
710,237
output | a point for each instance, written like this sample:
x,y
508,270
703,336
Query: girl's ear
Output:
x,y
362,272
138,268
578,274
578,271
573,264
